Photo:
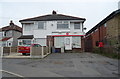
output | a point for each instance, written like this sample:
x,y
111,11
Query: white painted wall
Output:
x,y
0,43
42,33
1,35
51,26
6,43
41,41
9,41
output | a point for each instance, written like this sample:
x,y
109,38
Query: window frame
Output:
x,y
63,22
42,26
76,42
27,26
79,25
26,43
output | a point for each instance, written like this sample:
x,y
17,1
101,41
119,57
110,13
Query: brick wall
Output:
x,y
113,30
108,33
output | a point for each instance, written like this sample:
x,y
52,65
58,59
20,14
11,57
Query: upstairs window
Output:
x,y
77,25
62,25
41,25
27,26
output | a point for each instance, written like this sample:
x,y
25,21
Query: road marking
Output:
x,y
12,73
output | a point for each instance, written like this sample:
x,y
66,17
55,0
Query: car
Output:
x,y
25,50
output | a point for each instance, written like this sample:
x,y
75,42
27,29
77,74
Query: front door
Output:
x,y
68,43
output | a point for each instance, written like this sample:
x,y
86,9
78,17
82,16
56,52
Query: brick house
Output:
x,y
107,31
9,35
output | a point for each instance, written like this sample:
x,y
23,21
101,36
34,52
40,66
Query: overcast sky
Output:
x,y
93,10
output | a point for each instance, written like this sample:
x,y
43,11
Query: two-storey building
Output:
x,y
56,30
9,35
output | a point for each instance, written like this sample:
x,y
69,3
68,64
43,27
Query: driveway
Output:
x,y
64,65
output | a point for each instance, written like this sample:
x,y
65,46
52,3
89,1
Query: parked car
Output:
x,y
25,50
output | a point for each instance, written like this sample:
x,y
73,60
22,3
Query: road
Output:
x,y
62,65
9,74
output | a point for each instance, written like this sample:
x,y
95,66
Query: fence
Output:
x,y
13,49
1,51
39,52
9,50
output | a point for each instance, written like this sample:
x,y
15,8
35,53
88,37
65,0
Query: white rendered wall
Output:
x,y
50,27
41,41
42,33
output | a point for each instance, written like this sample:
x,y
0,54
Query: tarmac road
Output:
x,y
62,65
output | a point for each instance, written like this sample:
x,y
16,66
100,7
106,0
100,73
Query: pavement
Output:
x,y
63,65
16,55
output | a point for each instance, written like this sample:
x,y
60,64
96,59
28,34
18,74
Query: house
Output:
x,y
106,31
55,30
9,35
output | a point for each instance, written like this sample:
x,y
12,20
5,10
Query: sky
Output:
x,y
93,11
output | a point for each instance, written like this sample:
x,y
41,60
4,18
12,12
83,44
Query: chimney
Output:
x,y
54,12
11,23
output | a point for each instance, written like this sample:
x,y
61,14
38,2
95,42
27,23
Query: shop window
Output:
x,y
76,42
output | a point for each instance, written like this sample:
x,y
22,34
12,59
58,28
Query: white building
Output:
x,y
61,30
9,35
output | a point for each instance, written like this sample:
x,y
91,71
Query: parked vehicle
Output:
x,y
25,50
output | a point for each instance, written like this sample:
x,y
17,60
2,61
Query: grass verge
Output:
x,y
109,54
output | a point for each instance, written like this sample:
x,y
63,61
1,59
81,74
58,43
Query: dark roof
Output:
x,y
53,17
15,27
12,26
26,37
104,21
6,38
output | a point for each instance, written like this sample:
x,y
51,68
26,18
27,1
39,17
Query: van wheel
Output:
x,y
23,53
